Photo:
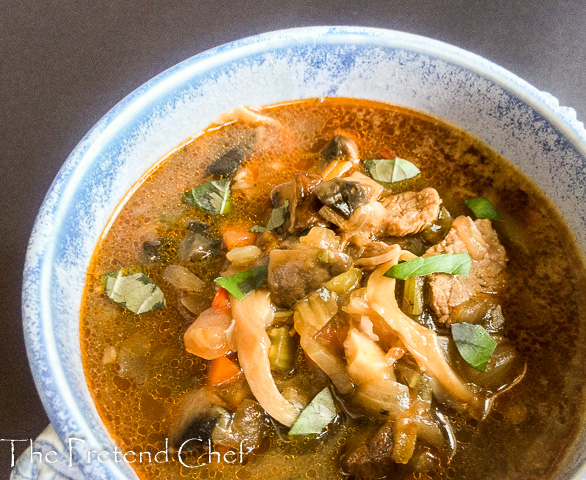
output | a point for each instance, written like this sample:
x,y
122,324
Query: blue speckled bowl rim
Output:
x,y
44,360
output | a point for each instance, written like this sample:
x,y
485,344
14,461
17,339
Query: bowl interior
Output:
x,y
524,125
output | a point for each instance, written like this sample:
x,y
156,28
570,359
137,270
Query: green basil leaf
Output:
x,y
474,344
213,197
278,218
482,208
134,291
314,418
454,263
243,283
391,170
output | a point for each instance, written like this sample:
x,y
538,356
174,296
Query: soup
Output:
x,y
335,288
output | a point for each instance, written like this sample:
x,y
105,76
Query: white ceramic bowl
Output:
x,y
525,125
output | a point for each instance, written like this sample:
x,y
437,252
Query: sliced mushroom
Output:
x,y
246,428
227,163
342,195
198,227
293,274
198,247
153,250
370,457
339,148
303,206
197,419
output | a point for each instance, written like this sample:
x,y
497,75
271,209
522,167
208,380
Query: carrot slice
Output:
x,y
386,153
223,370
238,238
221,300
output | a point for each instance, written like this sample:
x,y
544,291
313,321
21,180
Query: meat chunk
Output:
x,y
371,459
397,215
410,212
480,241
293,274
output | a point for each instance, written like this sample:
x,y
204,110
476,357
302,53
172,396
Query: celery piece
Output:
x,y
413,296
345,282
282,350
314,418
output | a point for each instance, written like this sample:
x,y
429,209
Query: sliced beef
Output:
x,y
303,206
293,274
480,241
397,215
410,212
372,458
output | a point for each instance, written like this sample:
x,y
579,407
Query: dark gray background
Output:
x,y
64,64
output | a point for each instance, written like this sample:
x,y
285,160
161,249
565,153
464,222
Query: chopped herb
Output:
x,y
243,283
474,344
454,263
482,208
134,291
391,170
314,418
278,218
213,197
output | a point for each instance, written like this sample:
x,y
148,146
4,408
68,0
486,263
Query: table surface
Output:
x,y
63,65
